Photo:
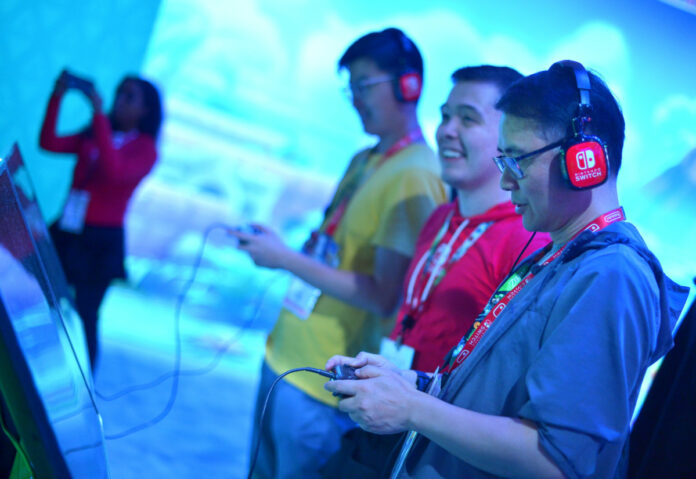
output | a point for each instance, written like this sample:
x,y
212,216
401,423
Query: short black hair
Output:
x,y
551,99
501,77
391,49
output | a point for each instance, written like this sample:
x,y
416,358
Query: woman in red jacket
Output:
x,y
113,155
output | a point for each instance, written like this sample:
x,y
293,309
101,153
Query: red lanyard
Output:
x,y
361,176
442,255
493,309
411,137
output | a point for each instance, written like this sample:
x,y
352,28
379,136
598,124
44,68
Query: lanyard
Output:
x,y
118,140
337,212
416,301
518,280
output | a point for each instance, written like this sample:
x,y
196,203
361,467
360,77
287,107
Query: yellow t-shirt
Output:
x,y
387,210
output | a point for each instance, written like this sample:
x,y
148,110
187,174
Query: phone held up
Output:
x,y
78,83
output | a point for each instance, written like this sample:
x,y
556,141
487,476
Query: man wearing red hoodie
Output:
x,y
469,245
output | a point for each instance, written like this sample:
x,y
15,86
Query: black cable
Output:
x,y
257,446
179,302
177,372
519,256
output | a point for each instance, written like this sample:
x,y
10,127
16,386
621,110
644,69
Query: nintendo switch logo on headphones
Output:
x,y
585,159
586,164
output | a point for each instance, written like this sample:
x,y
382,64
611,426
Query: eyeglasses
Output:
x,y
362,87
512,163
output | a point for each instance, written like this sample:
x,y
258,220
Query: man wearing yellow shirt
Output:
x,y
347,281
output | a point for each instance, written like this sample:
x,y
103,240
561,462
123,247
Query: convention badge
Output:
x,y
74,212
399,354
301,298
436,384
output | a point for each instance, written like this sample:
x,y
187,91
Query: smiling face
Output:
x,y
467,136
541,197
375,102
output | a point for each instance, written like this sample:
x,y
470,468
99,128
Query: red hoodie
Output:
x,y
109,170
468,283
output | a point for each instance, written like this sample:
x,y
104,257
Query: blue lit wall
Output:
x,y
102,40
257,127
252,86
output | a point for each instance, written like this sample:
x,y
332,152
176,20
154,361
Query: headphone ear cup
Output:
x,y
585,162
408,87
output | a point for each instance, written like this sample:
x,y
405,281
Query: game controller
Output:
x,y
341,372
246,229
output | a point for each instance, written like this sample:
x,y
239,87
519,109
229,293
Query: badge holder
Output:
x,y
301,296
396,352
74,212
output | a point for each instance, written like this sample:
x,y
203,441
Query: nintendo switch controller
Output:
x,y
246,229
341,372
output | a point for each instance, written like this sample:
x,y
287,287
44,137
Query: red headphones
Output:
x,y
408,86
408,83
584,162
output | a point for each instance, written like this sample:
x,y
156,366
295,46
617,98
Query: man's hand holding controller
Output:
x,y
380,401
263,245
354,368
343,372
241,231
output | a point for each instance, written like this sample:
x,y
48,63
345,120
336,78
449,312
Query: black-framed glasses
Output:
x,y
362,87
512,163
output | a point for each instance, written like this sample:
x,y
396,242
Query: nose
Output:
x,y
447,129
508,182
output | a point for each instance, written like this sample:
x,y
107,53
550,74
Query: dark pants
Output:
x,y
88,299
91,260
364,455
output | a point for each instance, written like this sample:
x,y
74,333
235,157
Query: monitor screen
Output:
x,y
45,380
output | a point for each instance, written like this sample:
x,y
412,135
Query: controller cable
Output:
x,y
177,371
257,446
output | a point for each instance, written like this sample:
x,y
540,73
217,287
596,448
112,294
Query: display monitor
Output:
x,y
45,378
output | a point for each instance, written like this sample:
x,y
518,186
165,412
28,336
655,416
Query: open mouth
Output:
x,y
449,154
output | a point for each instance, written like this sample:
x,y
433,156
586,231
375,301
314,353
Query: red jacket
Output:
x,y
108,167
468,283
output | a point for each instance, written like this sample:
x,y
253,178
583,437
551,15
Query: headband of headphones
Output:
x,y
408,82
584,161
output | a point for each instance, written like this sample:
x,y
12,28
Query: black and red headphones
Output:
x,y
585,162
408,83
